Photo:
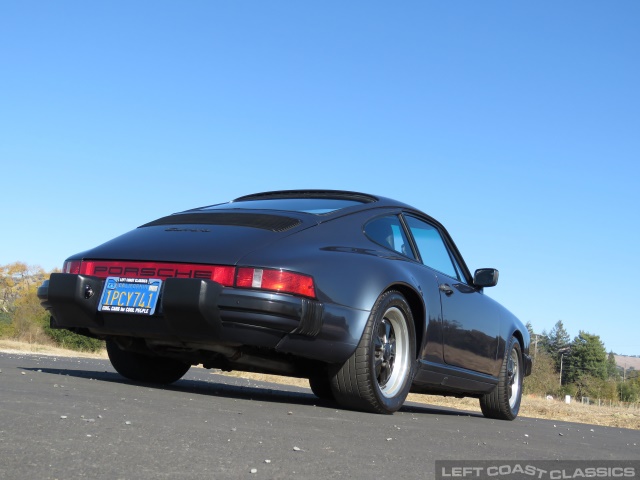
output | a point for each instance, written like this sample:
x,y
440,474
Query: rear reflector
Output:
x,y
276,280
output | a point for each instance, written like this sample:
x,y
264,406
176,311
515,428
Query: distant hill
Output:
x,y
627,362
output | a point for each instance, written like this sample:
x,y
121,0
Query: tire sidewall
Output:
x,y
386,301
516,408
146,369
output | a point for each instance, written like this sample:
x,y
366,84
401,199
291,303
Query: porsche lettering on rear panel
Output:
x,y
160,272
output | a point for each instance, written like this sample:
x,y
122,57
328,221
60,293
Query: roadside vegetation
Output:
x,y
23,319
580,368
602,392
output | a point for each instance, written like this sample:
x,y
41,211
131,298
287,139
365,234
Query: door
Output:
x,y
471,324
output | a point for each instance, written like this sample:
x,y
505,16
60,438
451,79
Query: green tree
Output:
x,y
595,388
15,279
543,343
530,329
612,367
28,317
6,324
557,343
588,357
543,379
537,340
629,391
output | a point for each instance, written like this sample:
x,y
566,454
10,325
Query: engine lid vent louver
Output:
x,y
275,223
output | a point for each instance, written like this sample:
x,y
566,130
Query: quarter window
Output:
x,y
432,248
388,232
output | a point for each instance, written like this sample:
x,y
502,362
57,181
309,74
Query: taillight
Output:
x,y
258,278
72,266
276,280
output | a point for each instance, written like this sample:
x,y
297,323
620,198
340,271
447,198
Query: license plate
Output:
x,y
137,296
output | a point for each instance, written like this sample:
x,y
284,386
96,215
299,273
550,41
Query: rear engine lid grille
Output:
x,y
275,223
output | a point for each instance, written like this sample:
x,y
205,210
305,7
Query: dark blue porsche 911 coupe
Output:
x,y
365,296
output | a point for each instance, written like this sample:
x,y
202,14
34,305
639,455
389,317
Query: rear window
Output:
x,y
317,206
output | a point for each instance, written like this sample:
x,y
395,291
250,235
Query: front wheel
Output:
x,y
377,377
504,402
143,368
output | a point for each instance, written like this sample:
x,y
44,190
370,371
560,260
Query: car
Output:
x,y
367,297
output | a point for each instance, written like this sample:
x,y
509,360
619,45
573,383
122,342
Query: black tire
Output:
x,y
378,376
503,403
321,386
143,368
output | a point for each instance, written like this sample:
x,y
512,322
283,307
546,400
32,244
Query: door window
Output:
x,y
431,247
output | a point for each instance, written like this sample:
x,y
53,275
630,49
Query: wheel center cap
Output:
x,y
387,351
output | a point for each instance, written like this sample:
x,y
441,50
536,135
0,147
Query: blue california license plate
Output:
x,y
137,296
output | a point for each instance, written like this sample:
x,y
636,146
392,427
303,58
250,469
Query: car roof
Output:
x,y
353,202
333,194
367,200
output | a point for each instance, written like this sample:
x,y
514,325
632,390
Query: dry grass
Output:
x,y
538,407
15,346
610,416
532,406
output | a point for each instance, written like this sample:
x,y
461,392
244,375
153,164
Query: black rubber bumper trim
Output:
x,y
73,297
310,318
528,364
189,309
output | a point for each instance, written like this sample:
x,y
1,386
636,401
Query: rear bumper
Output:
x,y
204,312
528,364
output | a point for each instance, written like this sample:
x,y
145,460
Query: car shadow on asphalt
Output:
x,y
242,389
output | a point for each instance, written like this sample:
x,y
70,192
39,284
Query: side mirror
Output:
x,y
485,277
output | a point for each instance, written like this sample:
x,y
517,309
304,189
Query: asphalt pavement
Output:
x,y
75,418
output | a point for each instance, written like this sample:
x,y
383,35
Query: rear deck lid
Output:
x,y
205,237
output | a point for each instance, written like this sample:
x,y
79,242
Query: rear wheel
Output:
x,y
378,375
504,402
143,368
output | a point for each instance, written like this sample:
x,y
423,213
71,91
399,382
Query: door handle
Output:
x,y
446,289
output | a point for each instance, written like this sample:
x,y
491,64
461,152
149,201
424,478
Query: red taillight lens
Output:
x,y
245,278
223,275
72,266
276,280
259,278
87,268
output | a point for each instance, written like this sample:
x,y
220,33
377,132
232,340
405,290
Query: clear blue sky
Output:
x,y
516,124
